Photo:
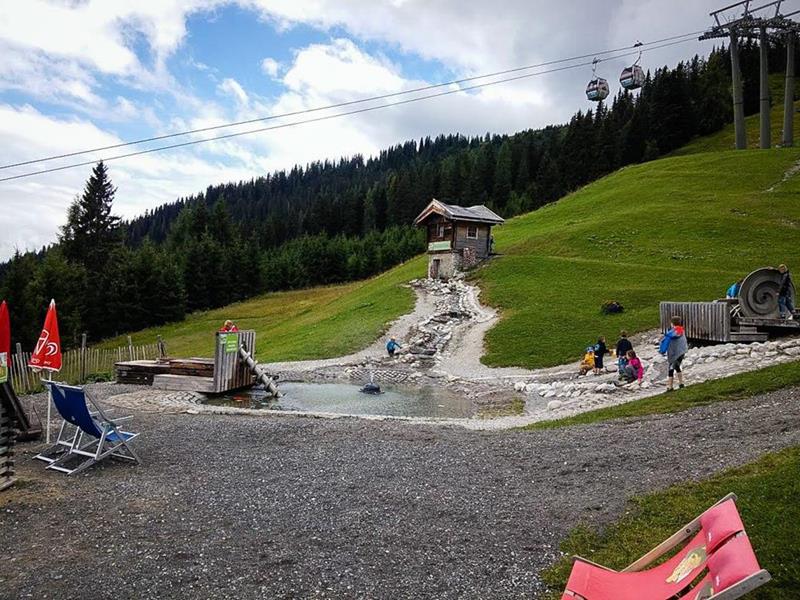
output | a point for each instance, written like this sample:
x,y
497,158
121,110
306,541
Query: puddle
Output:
x,y
343,398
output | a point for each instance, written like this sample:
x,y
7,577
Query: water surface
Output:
x,y
344,398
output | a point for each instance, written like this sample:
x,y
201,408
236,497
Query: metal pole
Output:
x,y
738,99
788,96
766,142
49,404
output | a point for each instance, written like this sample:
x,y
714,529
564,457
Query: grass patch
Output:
x,y
767,493
681,228
298,325
514,408
735,387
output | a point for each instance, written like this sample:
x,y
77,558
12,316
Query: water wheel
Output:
x,y
758,296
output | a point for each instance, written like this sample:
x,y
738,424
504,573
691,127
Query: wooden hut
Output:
x,y
459,237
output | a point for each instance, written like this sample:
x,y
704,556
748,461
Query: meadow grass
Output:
x,y
767,492
298,325
735,387
680,228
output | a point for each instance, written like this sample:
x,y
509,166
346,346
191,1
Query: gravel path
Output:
x,y
239,507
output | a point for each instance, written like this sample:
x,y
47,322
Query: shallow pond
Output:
x,y
343,398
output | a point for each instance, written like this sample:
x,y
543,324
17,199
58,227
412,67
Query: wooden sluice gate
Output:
x,y
233,367
751,317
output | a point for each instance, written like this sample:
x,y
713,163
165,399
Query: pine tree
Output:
x,y
91,231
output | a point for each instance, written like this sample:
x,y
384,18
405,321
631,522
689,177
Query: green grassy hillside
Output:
x,y
297,325
681,228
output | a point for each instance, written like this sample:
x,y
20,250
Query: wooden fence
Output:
x,y
78,364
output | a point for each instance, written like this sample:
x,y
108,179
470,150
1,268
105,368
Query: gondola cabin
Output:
x,y
597,89
632,78
459,237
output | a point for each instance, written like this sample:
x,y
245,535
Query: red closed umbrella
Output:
x,y
5,342
47,353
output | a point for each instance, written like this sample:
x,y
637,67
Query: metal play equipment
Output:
x,y
751,317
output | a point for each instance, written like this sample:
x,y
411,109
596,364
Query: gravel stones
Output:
x,y
236,507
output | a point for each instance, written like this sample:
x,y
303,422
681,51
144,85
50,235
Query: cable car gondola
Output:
x,y
597,89
632,78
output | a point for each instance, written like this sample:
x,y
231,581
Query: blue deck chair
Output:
x,y
85,436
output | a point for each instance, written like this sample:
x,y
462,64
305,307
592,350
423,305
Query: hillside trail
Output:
x,y
442,341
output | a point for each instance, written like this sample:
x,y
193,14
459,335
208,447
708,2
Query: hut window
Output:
x,y
472,232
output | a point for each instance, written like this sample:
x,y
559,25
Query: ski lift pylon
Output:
x,y
597,89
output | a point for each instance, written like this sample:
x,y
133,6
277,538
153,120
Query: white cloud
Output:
x,y
34,208
64,52
233,88
270,67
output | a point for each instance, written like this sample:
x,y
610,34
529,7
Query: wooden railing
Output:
x,y
78,364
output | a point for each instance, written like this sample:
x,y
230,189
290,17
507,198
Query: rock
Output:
x,y
605,388
792,351
549,394
646,385
520,386
531,387
770,354
743,350
554,404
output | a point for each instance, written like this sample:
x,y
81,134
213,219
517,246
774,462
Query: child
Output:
x,y
600,350
674,346
623,345
392,346
634,371
587,364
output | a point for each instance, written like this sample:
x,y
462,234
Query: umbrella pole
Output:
x,y
49,404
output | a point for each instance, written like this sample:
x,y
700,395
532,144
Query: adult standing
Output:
x,y
785,290
675,346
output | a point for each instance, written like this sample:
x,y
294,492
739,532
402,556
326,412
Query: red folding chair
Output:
x,y
717,562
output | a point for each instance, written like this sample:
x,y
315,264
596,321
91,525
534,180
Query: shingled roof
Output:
x,y
473,214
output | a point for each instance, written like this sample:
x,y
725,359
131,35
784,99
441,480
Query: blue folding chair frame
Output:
x,y
87,435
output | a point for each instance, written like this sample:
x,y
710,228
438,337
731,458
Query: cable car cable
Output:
x,y
326,117
337,105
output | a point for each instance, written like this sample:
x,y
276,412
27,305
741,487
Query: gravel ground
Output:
x,y
258,507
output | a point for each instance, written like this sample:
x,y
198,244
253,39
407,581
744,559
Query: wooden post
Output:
x,y
82,374
130,348
738,97
765,140
788,98
23,368
162,348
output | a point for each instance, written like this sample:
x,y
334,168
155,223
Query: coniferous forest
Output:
x,y
336,221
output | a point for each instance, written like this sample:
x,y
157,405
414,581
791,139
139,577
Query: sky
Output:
x,y
80,74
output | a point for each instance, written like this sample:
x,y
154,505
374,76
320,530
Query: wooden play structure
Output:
x,y
233,367
751,317
6,448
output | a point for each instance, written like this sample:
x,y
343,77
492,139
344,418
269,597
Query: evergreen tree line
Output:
x,y
335,221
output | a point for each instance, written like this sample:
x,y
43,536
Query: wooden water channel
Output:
x,y
233,367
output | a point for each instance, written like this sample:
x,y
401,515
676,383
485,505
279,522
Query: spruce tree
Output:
x,y
91,231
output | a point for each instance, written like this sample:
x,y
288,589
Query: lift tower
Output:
x,y
764,22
